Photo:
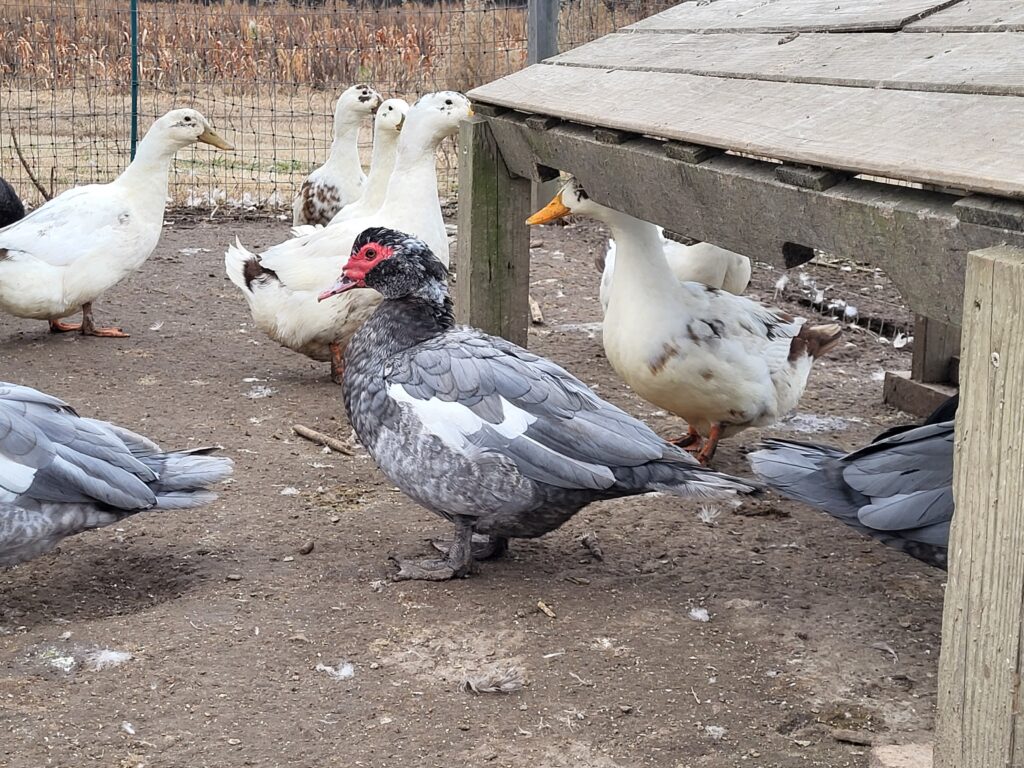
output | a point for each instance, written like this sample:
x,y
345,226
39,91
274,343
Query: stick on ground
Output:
x,y
321,439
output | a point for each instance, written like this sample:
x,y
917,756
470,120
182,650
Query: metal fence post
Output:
x,y
134,12
541,43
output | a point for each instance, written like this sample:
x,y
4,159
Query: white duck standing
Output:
x,y
722,362
340,180
698,263
387,127
281,284
61,257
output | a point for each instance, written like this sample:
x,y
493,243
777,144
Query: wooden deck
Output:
x,y
888,131
924,93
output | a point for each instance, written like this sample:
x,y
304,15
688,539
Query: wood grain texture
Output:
x,y
952,63
979,722
975,16
493,259
935,345
915,136
802,16
738,203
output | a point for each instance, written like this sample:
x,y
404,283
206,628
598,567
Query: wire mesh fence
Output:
x,y
266,74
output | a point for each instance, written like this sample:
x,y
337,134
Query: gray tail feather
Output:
x,y
687,479
805,472
185,477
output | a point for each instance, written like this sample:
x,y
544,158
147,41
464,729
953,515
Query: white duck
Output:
x,y
340,180
61,257
387,126
698,263
722,362
281,284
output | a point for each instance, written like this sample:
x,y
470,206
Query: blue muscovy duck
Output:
x,y
499,441
897,489
61,474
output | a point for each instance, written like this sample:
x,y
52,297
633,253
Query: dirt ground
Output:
x,y
818,641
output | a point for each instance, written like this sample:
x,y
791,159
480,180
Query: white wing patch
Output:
x,y
453,422
14,476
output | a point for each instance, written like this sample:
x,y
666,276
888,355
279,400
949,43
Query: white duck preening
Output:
x,y
340,180
698,263
722,362
61,257
281,284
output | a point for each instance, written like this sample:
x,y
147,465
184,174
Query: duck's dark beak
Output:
x,y
344,283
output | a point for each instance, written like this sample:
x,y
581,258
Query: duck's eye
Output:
x,y
370,253
188,119
449,102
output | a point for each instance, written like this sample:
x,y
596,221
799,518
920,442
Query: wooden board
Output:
x,y
740,204
493,259
954,63
951,139
787,16
980,723
975,16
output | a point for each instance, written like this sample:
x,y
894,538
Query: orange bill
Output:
x,y
553,210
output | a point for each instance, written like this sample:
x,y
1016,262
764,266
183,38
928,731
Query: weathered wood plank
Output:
x,y
975,16
916,397
980,721
923,137
737,203
953,63
493,260
803,16
935,344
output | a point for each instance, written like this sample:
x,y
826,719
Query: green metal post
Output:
x,y
134,6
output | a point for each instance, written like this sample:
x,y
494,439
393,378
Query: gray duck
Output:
x,y
61,474
897,489
499,441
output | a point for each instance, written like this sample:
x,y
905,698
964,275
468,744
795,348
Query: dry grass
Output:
x,y
265,74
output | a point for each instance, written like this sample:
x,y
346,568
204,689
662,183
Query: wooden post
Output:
x,y
935,345
493,263
980,722
541,43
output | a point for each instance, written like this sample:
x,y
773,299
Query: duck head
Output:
x,y
390,116
436,116
181,127
392,263
572,198
355,103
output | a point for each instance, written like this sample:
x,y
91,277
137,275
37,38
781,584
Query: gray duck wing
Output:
x,y
481,393
50,454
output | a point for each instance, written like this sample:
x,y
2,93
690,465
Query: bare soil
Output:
x,y
818,641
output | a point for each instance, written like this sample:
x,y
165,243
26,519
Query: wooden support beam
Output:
x,y
935,344
915,397
980,717
991,211
690,153
612,136
493,261
818,179
738,203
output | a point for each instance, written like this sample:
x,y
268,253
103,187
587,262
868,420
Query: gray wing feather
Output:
x,y
576,439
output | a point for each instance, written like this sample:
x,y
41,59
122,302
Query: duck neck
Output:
x,y
382,163
641,274
400,324
413,181
344,155
147,175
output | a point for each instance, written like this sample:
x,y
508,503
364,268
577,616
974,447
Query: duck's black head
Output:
x,y
394,264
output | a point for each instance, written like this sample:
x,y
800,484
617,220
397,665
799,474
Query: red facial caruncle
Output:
x,y
365,259
355,271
